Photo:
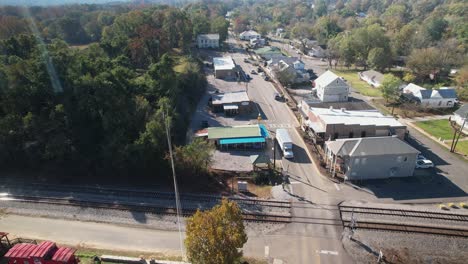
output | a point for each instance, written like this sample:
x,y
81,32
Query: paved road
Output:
x,y
293,248
307,183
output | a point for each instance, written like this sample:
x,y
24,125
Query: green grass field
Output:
x,y
438,128
462,147
362,87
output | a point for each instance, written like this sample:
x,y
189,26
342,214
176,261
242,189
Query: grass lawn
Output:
x,y
362,87
462,147
438,128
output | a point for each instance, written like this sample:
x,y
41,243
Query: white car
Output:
x,y
424,164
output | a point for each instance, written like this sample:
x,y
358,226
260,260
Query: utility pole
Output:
x,y
460,131
176,189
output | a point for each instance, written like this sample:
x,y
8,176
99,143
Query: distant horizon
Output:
x,y
56,2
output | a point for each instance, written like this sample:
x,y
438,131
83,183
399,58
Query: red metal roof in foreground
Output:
x,y
42,249
20,250
63,254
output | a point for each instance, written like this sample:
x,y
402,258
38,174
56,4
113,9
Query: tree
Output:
x,y
390,89
214,236
194,158
220,25
326,28
302,32
320,8
435,27
462,83
379,59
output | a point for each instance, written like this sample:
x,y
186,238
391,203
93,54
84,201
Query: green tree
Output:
x,y
379,59
390,88
194,158
320,8
435,27
220,25
214,236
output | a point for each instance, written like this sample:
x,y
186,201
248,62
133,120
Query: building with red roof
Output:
x,y
46,252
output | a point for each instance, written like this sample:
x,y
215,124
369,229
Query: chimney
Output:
x,y
331,108
343,110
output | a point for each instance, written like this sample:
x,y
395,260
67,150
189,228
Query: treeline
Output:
x,y
429,37
99,110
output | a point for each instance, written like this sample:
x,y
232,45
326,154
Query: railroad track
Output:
x,y
138,207
144,194
419,221
405,213
412,228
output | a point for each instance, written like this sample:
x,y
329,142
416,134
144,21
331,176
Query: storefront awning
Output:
x,y
241,140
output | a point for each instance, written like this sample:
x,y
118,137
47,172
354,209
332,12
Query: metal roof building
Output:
x,y
224,67
330,123
236,135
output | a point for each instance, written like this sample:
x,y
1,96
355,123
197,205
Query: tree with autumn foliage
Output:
x,y
215,236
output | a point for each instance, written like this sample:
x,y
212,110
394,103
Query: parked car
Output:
x,y
424,164
246,60
279,97
248,77
267,78
253,72
259,69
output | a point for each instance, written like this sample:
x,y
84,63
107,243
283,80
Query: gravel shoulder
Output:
x,y
111,216
405,247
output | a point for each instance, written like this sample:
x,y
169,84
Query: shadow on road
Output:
x,y
300,155
416,187
426,151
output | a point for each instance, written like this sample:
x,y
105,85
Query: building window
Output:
x,y
336,135
440,103
449,103
356,161
405,159
351,134
363,134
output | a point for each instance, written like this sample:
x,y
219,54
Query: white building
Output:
x,y
208,41
444,97
291,64
317,52
373,78
257,42
331,88
248,35
460,116
224,67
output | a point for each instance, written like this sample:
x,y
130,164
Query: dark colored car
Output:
x,y
259,69
279,97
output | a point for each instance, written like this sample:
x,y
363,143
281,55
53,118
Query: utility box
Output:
x,y
242,186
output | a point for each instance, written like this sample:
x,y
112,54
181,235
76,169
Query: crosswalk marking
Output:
x,y
327,252
279,125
